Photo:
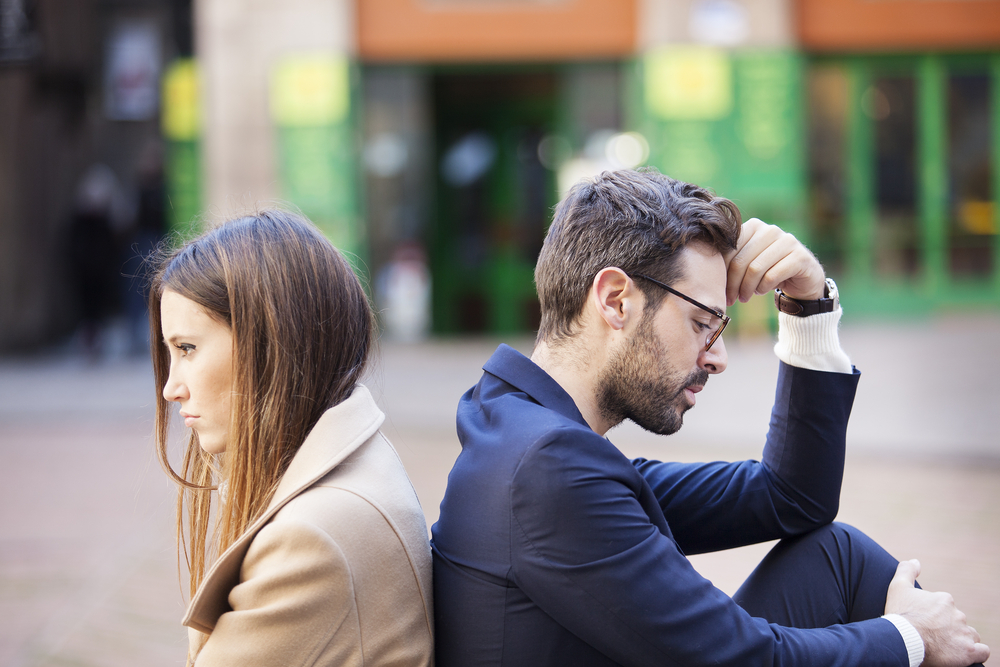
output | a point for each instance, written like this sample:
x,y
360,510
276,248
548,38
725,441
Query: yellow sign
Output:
x,y
688,83
310,90
978,217
181,117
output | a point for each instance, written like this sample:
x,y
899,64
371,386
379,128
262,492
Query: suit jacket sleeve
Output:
x,y
794,489
295,596
586,551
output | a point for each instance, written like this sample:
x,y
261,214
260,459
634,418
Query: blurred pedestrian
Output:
x,y
404,292
92,254
142,237
323,551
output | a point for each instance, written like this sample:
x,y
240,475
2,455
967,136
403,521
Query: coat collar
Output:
x,y
521,372
338,433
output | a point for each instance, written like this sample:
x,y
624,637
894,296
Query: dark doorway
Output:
x,y
494,196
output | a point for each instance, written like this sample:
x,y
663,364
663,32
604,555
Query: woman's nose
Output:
x,y
174,389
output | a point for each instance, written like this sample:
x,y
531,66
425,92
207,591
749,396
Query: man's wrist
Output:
x,y
827,303
911,638
812,342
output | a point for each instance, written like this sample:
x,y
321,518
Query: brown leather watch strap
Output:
x,y
807,307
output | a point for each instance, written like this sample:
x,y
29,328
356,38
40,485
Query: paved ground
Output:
x,y
87,561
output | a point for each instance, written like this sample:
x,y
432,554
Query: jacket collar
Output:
x,y
521,372
338,433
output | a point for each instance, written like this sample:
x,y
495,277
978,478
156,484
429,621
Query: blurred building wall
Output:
x,y
43,140
476,31
56,125
766,24
898,25
238,44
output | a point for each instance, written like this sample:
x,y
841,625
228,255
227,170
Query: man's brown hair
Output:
x,y
638,221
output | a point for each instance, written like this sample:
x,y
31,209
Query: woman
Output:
x,y
261,333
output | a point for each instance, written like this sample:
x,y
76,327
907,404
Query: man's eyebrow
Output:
x,y
708,305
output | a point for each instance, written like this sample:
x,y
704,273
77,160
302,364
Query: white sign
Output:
x,y
132,71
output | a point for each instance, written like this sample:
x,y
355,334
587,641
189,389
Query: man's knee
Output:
x,y
839,546
844,535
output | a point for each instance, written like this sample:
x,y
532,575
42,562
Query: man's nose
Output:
x,y
714,359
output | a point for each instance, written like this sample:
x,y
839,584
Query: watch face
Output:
x,y
833,293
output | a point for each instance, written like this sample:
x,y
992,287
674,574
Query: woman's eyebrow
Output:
x,y
175,338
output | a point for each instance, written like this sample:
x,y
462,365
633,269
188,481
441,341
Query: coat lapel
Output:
x,y
338,433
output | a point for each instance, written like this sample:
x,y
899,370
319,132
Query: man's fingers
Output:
x,y
746,231
949,641
767,257
785,263
981,652
758,253
906,573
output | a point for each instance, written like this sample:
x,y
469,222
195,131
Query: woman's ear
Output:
x,y
614,297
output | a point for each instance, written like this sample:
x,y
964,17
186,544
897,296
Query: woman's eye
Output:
x,y
185,348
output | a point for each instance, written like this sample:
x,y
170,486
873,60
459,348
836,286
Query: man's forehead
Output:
x,y
703,272
699,257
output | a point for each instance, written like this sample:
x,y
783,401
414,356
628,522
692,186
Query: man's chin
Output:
x,y
662,426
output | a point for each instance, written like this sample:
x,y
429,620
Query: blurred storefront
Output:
x,y
871,131
904,148
81,163
431,138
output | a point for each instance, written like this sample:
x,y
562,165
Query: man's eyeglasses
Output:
x,y
725,319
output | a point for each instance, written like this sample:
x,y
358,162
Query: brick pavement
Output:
x,y
87,563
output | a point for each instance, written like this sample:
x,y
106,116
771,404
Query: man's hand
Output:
x,y
948,639
767,257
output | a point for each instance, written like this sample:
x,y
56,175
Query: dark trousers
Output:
x,y
833,575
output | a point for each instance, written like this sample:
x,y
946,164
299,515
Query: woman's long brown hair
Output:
x,y
302,329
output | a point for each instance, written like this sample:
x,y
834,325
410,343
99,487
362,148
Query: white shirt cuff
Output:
x,y
914,644
812,342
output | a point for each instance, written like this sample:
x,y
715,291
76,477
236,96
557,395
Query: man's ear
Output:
x,y
614,297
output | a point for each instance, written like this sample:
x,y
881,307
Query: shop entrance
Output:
x,y
463,166
903,170
493,197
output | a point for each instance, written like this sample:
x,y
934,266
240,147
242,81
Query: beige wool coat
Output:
x,y
337,571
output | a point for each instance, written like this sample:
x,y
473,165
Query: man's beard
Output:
x,y
638,384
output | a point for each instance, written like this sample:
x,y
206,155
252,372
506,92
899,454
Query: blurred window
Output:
x,y
891,103
970,171
828,103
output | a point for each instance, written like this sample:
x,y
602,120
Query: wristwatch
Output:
x,y
807,307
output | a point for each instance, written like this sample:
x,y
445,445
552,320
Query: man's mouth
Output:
x,y
689,393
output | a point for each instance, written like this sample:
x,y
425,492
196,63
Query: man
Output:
x,y
554,549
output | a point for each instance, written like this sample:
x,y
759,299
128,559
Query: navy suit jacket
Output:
x,y
553,548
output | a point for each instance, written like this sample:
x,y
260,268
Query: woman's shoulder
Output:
x,y
366,496
373,470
